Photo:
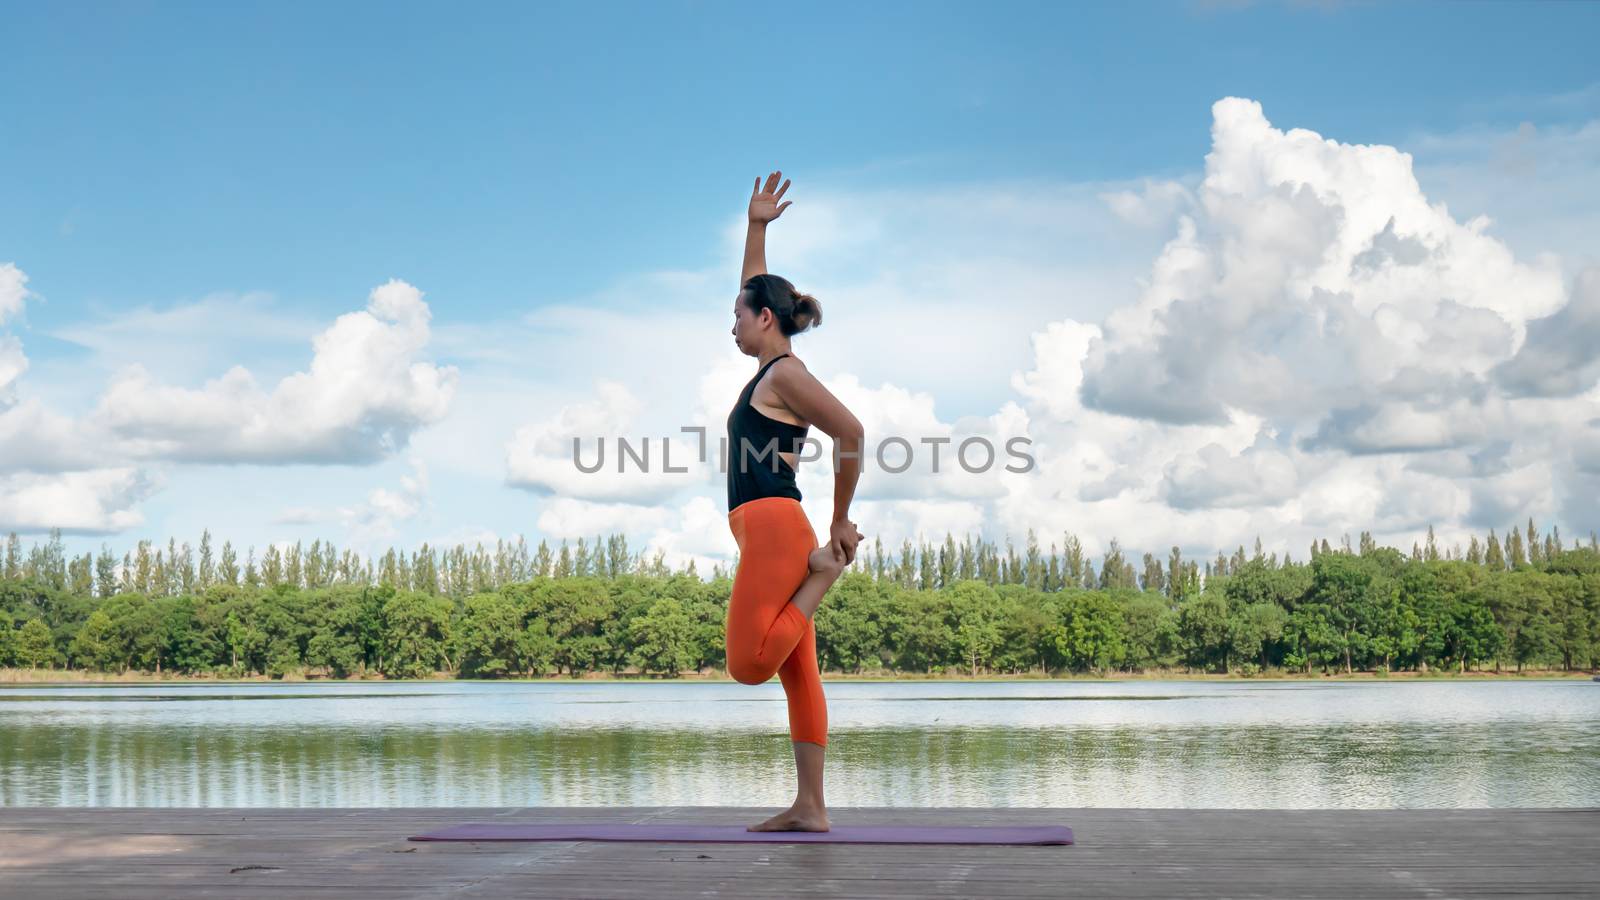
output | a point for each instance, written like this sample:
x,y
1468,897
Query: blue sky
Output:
x,y
506,153
516,157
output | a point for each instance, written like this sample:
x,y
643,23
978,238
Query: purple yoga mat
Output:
x,y
841,834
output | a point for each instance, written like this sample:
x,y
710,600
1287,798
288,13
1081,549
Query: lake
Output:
x,y
1236,744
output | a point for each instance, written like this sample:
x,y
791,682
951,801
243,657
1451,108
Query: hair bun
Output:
x,y
768,291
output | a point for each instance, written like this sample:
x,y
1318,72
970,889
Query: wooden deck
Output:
x,y
248,853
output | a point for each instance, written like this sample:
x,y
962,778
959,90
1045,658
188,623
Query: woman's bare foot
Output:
x,y
824,560
795,818
825,570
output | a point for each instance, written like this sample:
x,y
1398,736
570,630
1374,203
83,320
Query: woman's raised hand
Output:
x,y
764,206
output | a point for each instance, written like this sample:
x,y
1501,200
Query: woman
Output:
x,y
783,573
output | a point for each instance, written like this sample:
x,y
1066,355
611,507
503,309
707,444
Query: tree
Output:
x,y
1254,629
348,637
850,623
1346,591
1312,639
489,637
1203,629
977,627
1151,630
918,630
417,631
662,640
1492,556
94,646
35,648
1093,636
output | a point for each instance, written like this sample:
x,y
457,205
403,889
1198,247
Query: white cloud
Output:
x,y
251,325
1152,204
1317,349
34,438
97,501
12,364
13,293
378,517
1512,496
365,392
1297,342
473,537
1314,273
1586,449
1262,475
1538,186
1561,356
363,395
52,474
639,467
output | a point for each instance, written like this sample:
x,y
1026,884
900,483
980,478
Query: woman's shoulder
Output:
x,y
788,371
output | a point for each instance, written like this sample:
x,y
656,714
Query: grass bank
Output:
x,y
77,676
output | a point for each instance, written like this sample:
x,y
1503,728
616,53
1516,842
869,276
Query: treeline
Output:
x,y
1522,602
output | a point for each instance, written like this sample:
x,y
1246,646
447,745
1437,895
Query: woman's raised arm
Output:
x,y
764,208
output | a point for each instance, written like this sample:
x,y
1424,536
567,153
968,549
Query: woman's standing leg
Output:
x,y
766,633
808,729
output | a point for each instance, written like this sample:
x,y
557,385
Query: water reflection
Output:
x,y
1142,744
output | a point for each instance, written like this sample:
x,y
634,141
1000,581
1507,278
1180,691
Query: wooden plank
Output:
x,y
134,853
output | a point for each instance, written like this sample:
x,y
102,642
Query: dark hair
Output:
x,y
795,311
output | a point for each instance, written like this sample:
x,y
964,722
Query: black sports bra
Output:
x,y
764,473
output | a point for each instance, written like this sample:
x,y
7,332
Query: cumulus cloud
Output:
x,y
95,501
1297,341
1586,449
1151,204
1261,475
1312,274
13,292
1410,426
1539,183
35,438
570,517
1507,497
603,435
12,364
51,475
365,392
1561,356
951,470
376,518
1318,346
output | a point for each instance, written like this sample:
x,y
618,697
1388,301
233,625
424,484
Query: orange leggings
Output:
x,y
767,633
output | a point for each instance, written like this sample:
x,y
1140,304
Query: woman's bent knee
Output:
x,y
748,673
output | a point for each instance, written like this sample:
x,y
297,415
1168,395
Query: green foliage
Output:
x,y
416,632
1203,631
1093,636
34,646
950,608
661,640
854,620
94,646
489,640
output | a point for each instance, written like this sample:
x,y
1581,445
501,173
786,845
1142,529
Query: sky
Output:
x,y
360,272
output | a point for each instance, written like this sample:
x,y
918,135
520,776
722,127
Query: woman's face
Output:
x,y
746,327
